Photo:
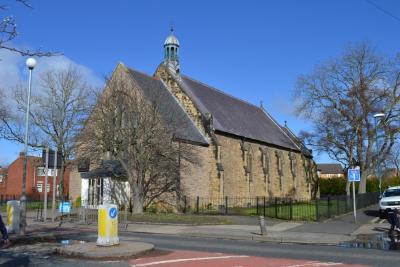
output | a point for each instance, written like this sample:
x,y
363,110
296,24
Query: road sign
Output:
x,y
52,158
65,207
113,213
353,175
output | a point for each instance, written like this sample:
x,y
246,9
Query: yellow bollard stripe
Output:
x,y
10,210
102,222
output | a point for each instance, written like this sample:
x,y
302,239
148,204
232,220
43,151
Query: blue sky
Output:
x,y
254,50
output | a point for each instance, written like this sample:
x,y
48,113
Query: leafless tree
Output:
x,y
393,160
341,96
8,32
58,111
128,124
3,111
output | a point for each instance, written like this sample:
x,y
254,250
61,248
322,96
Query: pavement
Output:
x,y
125,249
330,232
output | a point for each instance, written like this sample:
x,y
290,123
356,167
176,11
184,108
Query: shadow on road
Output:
x,y
372,213
14,260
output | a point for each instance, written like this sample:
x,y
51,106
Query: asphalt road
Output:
x,y
369,257
252,249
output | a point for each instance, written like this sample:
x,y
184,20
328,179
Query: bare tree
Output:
x,y
58,111
8,32
128,124
393,160
3,111
341,96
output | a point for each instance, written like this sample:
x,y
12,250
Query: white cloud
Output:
x,y
14,71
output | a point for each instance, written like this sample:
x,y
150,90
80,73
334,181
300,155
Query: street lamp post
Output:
x,y
377,117
30,63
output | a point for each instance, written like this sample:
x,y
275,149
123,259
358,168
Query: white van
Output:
x,y
390,200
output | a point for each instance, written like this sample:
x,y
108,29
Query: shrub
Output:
x,y
337,186
78,202
332,186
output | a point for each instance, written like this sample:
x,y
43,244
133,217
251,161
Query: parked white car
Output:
x,y
390,200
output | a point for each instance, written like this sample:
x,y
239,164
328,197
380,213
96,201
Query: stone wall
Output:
x,y
180,95
195,175
245,175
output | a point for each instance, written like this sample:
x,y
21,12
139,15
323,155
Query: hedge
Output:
x,y
337,186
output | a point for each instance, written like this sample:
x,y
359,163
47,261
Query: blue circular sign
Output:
x,y
113,213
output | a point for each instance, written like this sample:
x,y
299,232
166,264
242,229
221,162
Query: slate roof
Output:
x,y
330,168
172,113
235,116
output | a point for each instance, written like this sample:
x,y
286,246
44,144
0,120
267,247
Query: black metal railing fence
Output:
x,y
280,208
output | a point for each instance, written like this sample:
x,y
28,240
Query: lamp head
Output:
x,y
379,115
31,63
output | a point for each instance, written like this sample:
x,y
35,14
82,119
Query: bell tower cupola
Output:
x,y
171,52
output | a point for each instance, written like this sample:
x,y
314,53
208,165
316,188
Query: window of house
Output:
x,y
39,187
1,178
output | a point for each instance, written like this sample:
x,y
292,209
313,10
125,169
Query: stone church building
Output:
x,y
243,151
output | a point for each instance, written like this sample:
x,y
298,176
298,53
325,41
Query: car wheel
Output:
x,y
381,214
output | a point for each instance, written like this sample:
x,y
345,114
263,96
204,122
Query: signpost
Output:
x,y
353,175
52,160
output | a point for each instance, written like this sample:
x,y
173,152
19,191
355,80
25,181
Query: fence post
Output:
x,y
337,206
197,204
276,207
329,207
185,203
264,207
316,209
257,206
226,204
126,215
290,209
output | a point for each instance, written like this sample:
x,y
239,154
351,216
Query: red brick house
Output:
x,y
11,179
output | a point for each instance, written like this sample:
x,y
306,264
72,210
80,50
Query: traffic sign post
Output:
x,y
353,175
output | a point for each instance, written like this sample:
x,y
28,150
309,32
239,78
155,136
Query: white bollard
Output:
x,y
107,225
13,216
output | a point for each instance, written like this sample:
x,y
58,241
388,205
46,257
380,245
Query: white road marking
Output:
x,y
375,220
187,259
315,264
